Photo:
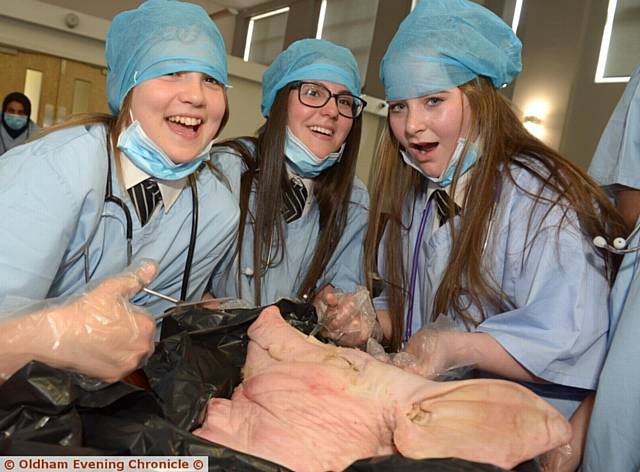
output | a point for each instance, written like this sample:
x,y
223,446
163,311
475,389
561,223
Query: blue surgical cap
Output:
x,y
310,59
158,38
445,43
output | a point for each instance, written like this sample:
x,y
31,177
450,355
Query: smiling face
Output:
x,y
323,130
180,112
429,127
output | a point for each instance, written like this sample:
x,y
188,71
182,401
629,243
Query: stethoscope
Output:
x,y
619,243
416,255
111,198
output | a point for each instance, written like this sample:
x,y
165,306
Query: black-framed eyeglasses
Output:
x,y
316,96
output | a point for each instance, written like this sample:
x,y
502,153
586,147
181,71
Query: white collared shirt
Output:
x,y
458,198
169,189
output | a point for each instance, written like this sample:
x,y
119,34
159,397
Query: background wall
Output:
x,y
560,54
561,46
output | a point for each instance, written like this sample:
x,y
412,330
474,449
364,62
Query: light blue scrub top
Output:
x,y
614,430
344,270
617,157
52,192
7,142
557,328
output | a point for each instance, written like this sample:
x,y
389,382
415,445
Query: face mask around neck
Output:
x,y
148,157
304,162
445,179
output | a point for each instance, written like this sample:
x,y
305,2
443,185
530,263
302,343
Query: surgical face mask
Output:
x,y
15,122
446,177
304,162
148,156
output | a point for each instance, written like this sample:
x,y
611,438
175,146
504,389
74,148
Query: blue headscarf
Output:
x,y
158,38
445,43
310,59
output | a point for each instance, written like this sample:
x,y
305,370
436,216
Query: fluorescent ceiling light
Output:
x,y
323,11
604,47
247,43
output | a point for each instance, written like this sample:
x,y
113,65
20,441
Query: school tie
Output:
x,y
145,197
295,199
442,199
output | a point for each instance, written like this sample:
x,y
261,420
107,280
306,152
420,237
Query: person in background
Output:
x,y
614,431
127,193
303,211
17,126
487,248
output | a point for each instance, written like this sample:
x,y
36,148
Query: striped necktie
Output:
x,y
295,198
442,201
145,197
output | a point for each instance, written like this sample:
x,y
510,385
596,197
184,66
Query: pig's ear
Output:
x,y
491,421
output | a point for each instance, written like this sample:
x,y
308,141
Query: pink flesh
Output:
x,y
315,407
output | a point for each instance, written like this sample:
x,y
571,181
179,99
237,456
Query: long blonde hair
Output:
x,y
506,144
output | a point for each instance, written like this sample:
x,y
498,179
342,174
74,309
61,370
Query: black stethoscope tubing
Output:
x,y
111,198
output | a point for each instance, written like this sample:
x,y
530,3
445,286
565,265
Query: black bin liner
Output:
x,y
48,411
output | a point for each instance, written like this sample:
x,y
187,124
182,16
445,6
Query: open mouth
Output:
x,y
321,131
185,123
423,147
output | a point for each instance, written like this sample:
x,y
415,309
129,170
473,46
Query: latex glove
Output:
x,y
403,360
437,352
98,332
348,318
560,459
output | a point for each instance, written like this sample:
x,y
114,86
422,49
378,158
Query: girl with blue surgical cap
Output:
x,y
487,248
107,192
17,126
303,211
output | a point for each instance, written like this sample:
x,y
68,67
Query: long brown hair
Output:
x,y
506,145
266,175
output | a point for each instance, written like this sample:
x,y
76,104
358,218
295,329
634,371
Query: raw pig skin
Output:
x,y
315,407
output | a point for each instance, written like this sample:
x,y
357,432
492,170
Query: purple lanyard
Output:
x,y
414,270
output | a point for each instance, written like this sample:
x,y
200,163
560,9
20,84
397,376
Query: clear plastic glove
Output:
x,y
98,333
403,360
560,459
434,353
347,318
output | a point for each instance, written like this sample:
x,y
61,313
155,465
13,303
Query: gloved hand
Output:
x,y
560,459
348,318
98,332
436,352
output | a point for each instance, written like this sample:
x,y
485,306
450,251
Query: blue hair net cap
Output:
x,y
158,38
445,43
310,59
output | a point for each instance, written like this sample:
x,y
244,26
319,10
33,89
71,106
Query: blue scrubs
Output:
x,y
52,192
557,327
617,157
344,270
614,430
